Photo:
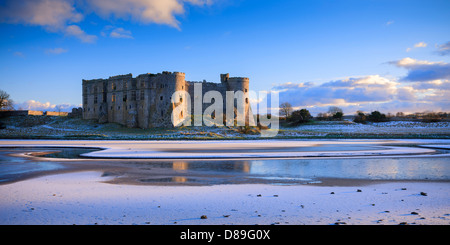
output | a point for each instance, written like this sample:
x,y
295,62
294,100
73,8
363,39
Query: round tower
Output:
x,y
236,84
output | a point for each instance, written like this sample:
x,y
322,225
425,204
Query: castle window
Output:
x,y
133,95
161,98
142,84
113,86
246,90
124,97
95,99
113,98
162,113
181,114
181,99
246,100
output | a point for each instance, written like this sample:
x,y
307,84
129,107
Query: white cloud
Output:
x,y
55,51
46,106
52,15
64,16
121,33
75,31
418,45
144,11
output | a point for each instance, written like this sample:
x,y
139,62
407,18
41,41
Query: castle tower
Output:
x,y
241,84
161,108
224,77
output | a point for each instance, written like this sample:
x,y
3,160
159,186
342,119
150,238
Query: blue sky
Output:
x,y
366,55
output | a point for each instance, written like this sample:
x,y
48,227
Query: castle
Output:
x,y
146,101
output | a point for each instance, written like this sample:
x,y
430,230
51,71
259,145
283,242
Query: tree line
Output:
x,y
335,113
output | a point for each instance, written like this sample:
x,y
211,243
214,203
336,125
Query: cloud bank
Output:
x,y
444,49
44,106
426,86
65,16
423,71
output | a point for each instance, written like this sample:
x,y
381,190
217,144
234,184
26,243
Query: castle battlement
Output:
x,y
238,78
122,76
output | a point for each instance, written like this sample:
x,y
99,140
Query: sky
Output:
x,y
386,55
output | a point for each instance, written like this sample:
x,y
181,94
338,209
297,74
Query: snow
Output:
x,y
39,127
234,148
84,198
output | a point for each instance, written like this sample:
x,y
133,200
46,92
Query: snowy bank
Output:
x,y
82,198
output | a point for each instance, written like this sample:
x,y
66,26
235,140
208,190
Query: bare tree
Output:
x,y
285,109
5,102
334,109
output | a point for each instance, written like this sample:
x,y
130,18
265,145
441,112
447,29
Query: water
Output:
x,y
207,172
13,167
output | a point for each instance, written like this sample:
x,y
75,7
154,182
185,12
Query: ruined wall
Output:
x,y
146,101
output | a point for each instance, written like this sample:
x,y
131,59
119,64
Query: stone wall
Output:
x,y
145,101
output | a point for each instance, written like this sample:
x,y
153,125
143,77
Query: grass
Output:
x,y
41,127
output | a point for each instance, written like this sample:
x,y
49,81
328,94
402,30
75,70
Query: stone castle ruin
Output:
x,y
146,100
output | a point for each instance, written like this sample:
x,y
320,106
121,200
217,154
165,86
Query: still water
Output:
x,y
14,167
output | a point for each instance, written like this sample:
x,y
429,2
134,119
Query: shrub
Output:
x,y
375,116
338,115
300,116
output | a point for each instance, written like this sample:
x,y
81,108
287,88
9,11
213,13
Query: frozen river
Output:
x,y
325,162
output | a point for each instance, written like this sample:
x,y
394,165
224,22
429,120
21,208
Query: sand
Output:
x,y
83,198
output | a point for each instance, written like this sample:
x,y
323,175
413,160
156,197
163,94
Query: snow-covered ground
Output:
x,y
83,198
383,128
68,128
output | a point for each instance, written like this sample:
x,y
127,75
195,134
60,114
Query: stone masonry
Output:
x,y
146,100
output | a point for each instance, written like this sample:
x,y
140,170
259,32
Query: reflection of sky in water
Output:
x,y
371,168
11,167
432,168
